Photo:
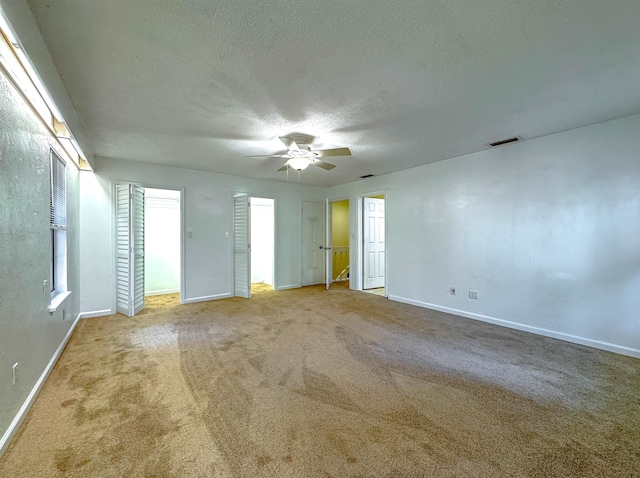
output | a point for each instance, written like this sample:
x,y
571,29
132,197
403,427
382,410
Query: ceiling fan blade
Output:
x,y
284,167
320,153
289,143
323,165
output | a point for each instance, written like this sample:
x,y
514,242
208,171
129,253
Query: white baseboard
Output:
x,y
619,349
24,409
290,286
161,292
207,297
96,313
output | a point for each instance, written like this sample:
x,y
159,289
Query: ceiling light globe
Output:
x,y
299,163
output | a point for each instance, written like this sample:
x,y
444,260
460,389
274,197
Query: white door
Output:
x,y
313,237
130,248
242,246
328,253
374,247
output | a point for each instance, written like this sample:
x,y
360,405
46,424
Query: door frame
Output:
x,y
275,234
275,238
358,275
183,254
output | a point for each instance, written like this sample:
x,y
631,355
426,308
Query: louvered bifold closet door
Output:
x,y
130,248
137,207
123,249
241,246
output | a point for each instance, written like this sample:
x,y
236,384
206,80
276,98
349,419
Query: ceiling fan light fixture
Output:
x,y
299,157
299,163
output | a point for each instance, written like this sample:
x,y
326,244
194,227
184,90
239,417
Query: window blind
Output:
x,y
57,201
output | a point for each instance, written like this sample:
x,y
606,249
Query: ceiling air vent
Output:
x,y
366,176
502,142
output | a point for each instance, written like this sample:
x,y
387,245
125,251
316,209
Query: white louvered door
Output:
x,y
130,248
122,248
241,246
137,208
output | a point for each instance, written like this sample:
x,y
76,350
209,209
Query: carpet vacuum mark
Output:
x,y
336,383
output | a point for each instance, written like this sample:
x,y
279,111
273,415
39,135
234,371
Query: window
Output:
x,y
58,224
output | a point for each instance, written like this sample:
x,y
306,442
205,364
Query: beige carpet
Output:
x,y
330,384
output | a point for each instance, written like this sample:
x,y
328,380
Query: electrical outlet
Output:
x,y
14,373
452,290
45,287
473,294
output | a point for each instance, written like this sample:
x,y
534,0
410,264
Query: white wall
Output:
x,y
29,334
97,263
262,236
546,230
161,241
209,214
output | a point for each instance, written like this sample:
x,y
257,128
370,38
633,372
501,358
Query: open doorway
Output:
x,y
373,241
262,244
253,245
338,261
161,246
149,228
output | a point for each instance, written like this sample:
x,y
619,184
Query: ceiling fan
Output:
x,y
299,155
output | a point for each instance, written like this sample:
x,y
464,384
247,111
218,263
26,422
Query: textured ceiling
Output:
x,y
200,84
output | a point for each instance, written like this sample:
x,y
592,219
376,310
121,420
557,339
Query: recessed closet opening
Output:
x,y
262,243
149,249
162,243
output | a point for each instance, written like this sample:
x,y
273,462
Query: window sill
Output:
x,y
57,300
